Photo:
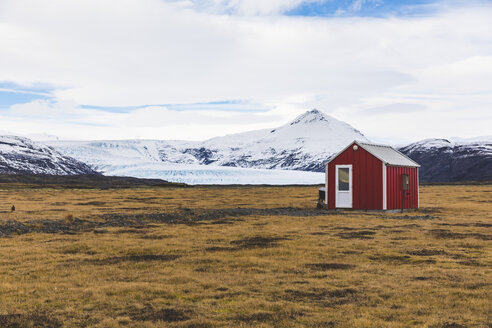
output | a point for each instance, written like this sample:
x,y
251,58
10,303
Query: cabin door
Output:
x,y
343,186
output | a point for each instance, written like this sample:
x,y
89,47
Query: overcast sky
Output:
x,y
193,69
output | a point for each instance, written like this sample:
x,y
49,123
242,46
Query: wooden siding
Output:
x,y
394,187
367,177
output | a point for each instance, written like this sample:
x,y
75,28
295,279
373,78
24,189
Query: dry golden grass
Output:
x,y
426,268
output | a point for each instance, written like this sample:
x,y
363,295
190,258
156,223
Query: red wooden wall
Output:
x,y
367,179
394,188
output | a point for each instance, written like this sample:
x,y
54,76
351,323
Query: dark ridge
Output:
x,y
452,163
202,154
83,181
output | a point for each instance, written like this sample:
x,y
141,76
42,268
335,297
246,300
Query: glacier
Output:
x,y
211,174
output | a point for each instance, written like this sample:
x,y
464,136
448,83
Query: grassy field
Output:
x,y
189,257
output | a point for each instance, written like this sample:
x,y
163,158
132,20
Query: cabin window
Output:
x,y
343,179
406,182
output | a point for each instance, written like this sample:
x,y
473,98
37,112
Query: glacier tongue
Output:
x,y
210,174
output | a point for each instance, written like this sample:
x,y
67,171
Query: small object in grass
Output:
x,y
12,208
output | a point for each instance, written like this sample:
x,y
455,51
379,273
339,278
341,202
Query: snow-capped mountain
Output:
x,y
305,144
302,144
442,160
20,155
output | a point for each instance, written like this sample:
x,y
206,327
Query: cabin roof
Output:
x,y
384,153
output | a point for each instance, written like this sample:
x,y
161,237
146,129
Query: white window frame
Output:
x,y
350,185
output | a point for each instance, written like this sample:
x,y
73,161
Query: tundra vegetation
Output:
x,y
241,257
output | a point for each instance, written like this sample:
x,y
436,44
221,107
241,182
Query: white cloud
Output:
x,y
68,121
43,108
135,53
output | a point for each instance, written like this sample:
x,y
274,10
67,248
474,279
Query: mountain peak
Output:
x,y
434,142
309,117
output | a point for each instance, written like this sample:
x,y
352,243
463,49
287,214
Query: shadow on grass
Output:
x,y
447,234
268,317
426,252
329,297
329,266
150,313
134,258
253,242
257,242
362,234
30,319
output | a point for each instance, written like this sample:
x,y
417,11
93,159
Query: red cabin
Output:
x,y
367,176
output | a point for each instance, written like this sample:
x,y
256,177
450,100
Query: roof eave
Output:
x,y
402,165
361,144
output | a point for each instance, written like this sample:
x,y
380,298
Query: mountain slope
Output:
x,y
303,144
444,161
22,156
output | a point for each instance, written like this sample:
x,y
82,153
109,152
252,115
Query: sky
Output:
x,y
398,71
